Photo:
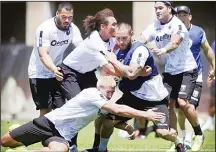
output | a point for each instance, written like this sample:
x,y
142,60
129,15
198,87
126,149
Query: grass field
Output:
x,y
85,140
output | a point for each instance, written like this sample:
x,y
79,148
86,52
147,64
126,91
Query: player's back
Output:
x,y
77,112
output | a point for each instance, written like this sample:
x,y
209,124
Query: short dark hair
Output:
x,y
168,4
126,26
66,5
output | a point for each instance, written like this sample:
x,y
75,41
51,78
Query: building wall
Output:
x,y
122,11
13,21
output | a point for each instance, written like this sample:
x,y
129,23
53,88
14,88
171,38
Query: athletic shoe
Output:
x,y
140,137
198,142
180,148
94,149
73,148
187,144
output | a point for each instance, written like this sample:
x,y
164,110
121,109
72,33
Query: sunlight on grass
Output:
x,y
86,136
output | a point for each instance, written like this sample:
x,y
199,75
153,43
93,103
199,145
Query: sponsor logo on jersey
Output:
x,y
59,43
163,37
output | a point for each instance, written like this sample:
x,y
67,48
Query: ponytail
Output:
x,y
89,24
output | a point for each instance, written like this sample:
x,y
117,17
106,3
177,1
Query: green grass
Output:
x,y
85,140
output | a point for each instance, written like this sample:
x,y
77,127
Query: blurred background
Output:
x,y
19,21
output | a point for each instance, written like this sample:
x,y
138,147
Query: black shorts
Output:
x,y
143,105
73,81
39,130
46,93
195,98
181,85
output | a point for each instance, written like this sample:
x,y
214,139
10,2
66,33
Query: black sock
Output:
x,y
96,140
197,130
143,130
74,140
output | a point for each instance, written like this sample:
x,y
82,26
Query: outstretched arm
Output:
x,y
210,56
126,111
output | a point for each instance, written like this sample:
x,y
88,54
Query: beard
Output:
x,y
60,25
127,47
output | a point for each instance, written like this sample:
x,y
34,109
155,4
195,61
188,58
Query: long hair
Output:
x,y
92,23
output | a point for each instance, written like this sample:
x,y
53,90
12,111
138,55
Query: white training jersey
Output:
x,y
77,112
153,89
179,60
90,54
49,35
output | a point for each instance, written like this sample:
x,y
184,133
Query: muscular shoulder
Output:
x,y
92,94
175,22
74,27
47,25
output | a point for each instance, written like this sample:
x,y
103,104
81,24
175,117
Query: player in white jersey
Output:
x,y
79,66
172,41
138,92
57,127
52,38
198,39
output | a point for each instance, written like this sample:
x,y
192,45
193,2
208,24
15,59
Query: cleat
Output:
x,y
198,142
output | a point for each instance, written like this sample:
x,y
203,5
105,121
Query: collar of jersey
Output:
x,y
167,22
190,27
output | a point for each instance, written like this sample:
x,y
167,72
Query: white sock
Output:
x,y
188,136
178,140
183,133
103,144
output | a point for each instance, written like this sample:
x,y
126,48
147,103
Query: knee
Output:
x,y
162,132
165,133
4,141
182,103
56,146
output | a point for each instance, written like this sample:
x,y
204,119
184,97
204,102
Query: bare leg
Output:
x,y
106,132
172,114
54,147
189,111
8,141
212,106
170,135
44,111
126,127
